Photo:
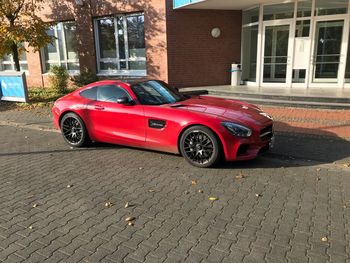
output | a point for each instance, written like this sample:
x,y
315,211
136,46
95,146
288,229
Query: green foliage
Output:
x,y
85,77
19,23
58,78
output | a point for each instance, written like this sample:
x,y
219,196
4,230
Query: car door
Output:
x,y
113,122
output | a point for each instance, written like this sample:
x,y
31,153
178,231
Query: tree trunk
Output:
x,y
15,56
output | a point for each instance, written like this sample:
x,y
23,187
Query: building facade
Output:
x,y
293,43
135,40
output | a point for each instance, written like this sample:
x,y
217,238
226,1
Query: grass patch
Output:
x,y
38,98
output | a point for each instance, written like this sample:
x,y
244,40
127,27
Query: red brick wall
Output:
x,y
195,58
155,32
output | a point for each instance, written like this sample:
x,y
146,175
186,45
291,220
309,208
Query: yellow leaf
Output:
x,y
193,182
213,198
130,218
108,204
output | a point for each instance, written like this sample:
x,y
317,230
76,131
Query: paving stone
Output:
x,y
73,225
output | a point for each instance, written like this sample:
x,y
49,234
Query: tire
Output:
x,y
74,131
200,146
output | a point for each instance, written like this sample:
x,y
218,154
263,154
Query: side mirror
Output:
x,y
124,101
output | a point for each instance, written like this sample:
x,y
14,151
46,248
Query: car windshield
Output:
x,y
156,92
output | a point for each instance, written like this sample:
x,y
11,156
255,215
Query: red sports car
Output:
x,y
155,116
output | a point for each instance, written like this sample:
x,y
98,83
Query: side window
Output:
x,y
110,93
90,94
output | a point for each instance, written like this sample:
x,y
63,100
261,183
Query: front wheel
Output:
x,y
200,146
73,130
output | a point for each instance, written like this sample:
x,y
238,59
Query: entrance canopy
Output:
x,y
216,4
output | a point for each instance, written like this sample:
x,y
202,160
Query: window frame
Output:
x,y
117,60
12,64
60,62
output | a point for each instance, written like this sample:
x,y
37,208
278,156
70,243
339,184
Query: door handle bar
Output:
x,y
99,107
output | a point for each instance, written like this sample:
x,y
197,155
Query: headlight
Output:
x,y
237,129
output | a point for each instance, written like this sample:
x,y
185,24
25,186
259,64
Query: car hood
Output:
x,y
230,110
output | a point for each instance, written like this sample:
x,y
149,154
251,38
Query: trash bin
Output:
x,y
236,74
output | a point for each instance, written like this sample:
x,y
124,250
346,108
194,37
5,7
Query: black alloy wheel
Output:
x,y
73,130
200,146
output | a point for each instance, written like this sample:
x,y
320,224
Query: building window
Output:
x,y
63,50
120,45
304,8
250,32
326,7
7,63
279,11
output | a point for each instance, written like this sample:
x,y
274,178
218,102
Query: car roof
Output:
x,y
117,82
106,82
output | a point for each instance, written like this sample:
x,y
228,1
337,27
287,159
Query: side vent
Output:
x,y
156,124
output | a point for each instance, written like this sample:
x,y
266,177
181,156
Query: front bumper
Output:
x,y
239,149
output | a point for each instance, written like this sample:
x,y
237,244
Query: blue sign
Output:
x,y
180,3
13,87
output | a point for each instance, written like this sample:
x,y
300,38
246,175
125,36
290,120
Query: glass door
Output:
x,y
327,51
277,53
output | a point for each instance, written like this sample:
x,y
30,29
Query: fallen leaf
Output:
x,y
130,223
258,195
240,176
30,227
140,168
318,179
318,169
108,204
347,165
126,205
324,239
130,218
193,182
151,190
200,191
35,205
344,206
213,198
69,186
186,192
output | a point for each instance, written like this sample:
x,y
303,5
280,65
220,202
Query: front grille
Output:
x,y
266,133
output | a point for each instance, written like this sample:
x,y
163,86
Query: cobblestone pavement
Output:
x,y
311,121
292,205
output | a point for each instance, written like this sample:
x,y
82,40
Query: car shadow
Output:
x,y
299,147
306,147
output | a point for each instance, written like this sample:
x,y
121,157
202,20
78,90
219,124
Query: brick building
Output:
x,y
136,39
296,43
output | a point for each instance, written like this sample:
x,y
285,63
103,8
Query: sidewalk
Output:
x,y
330,123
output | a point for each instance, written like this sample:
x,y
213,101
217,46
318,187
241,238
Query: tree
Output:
x,y
19,23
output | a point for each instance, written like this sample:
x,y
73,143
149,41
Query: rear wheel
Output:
x,y
74,131
200,146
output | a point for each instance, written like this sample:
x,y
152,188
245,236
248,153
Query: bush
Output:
x,y
58,79
85,77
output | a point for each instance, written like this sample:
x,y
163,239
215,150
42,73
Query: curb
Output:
x,y
35,127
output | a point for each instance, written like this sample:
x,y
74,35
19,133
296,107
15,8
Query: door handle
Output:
x,y
99,107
